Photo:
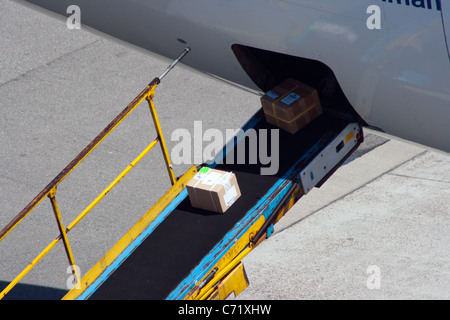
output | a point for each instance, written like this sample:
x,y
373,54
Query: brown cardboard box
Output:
x,y
291,105
213,190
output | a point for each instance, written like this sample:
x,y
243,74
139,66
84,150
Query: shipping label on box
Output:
x,y
213,190
291,105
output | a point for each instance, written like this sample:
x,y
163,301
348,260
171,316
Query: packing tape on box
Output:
x,y
224,180
208,177
281,98
199,176
298,116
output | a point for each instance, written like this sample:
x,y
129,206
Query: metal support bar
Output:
x,y
270,220
183,54
50,190
112,185
63,233
165,153
90,277
89,148
29,267
77,220
235,282
74,163
210,287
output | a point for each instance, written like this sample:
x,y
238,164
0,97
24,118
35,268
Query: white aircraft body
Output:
x,y
388,65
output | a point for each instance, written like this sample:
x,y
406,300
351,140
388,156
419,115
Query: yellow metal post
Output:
x,y
78,159
75,222
132,234
63,232
50,190
160,135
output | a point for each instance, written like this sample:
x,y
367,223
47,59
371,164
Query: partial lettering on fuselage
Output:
x,y
424,4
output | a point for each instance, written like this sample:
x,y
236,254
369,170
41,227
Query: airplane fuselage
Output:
x,y
395,76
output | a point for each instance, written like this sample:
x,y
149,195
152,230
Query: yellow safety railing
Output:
x,y
50,190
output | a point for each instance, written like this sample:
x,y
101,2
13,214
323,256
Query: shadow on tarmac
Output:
x,y
32,292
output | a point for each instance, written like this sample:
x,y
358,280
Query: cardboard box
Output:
x,y
291,105
213,190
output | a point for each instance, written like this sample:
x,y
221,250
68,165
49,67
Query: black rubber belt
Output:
x,y
180,242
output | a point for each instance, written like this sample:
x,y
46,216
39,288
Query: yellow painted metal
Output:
x,y
228,267
112,185
235,282
50,190
297,194
79,158
76,221
231,258
161,137
63,234
131,235
240,249
210,287
29,267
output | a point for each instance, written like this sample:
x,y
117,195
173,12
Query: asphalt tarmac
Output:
x,y
378,229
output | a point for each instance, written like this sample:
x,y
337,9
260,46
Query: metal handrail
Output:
x,y
50,190
76,161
